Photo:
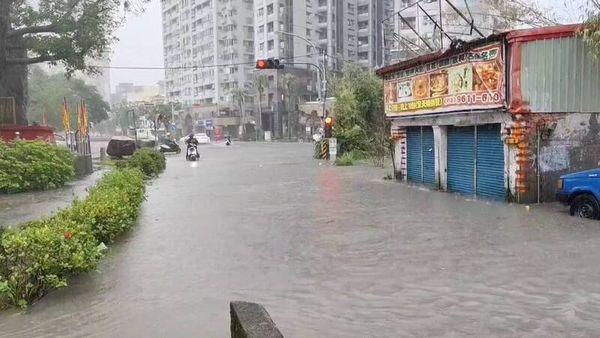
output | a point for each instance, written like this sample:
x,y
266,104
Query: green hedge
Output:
x,y
43,254
112,206
33,165
149,161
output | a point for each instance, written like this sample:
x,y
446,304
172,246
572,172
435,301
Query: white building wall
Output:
x,y
206,35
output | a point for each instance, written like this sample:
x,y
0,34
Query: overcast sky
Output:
x,y
140,45
141,41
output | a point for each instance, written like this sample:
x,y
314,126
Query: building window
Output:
x,y
308,32
261,12
308,49
270,9
363,56
261,29
363,9
261,47
270,45
270,27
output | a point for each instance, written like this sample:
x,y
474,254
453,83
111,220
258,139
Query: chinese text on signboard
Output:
x,y
472,80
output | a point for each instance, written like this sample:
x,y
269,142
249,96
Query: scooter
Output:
x,y
169,146
192,153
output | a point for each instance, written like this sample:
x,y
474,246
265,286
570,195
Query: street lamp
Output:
x,y
323,89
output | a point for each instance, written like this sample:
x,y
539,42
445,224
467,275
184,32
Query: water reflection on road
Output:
x,y
330,252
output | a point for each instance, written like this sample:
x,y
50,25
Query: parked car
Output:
x,y
581,191
201,137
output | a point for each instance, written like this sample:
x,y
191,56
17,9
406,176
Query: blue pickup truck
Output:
x,y
581,191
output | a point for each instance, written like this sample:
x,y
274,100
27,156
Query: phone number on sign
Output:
x,y
473,98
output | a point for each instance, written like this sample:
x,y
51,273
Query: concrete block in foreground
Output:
x,y
251,320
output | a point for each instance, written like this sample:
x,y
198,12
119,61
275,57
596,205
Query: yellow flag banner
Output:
x,y
66,117
86,124
79,119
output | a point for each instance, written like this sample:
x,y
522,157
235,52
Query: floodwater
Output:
x,y
16,209
330,252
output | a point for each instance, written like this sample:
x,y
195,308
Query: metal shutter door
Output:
x,y
461,160
428,156
490,162
413,136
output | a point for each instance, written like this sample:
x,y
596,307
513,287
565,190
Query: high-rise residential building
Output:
x,y
208,50
350,30
416,25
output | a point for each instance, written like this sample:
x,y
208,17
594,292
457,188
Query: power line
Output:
x,y
249,63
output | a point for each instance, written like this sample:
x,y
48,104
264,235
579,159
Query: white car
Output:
x,y
201,137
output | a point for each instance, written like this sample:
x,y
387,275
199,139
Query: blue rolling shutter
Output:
x,y
461,160
490,162
428,157
414,149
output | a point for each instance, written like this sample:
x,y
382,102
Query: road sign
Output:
x,y
208,124
332,146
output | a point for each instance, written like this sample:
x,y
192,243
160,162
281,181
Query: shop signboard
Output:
x,y
468,81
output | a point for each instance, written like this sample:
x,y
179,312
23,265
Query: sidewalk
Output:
x,y
23,207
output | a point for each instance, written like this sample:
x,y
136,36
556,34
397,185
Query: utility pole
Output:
x,y
324,90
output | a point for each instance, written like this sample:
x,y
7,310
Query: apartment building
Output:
x,y
350,31
423,15
200,37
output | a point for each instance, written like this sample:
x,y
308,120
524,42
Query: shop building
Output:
x,y
497,118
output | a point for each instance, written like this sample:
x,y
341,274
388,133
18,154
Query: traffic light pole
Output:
x,y
324,90
323,79
323,85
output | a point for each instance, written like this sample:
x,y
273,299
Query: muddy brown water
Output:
x,y
330,252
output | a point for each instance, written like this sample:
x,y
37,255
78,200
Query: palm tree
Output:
x,y
288,83
239,95
261,84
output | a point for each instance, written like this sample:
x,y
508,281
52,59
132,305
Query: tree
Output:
x,y
510,14
360,123
47,93
591,31
68,32
261,84
239,96
288,87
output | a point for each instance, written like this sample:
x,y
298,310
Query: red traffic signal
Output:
x,y
268,64
328,127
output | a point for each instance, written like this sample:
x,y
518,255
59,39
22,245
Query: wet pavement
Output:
x,y
330,252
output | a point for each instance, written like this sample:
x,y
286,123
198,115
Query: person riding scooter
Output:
x,y
227,140
191,141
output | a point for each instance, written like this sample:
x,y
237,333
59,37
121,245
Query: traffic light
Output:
x,y
328,127
268,64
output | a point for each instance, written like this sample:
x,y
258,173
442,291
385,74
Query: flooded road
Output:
x,y
330,252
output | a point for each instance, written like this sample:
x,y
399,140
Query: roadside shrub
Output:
x,y
354,139
112,206
351,157
149,161
37,165
41,256
345,160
